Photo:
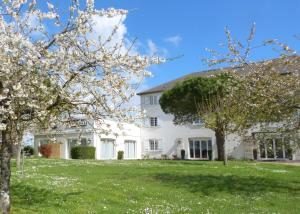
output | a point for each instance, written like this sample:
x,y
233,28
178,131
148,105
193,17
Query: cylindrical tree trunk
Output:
x,y
220,138
5,157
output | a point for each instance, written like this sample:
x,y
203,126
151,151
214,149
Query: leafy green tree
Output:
x,y
201,97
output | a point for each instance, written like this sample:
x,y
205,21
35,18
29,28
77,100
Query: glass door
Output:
x,y
130,149
273,149
200,149
71,143
107,149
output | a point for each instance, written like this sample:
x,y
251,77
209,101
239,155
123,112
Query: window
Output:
x,y
153,121
130,149
200,148
153,144
83,142
151,100
44,141
79,142
108,149
198,122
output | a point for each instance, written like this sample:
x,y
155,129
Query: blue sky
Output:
x,y
175,27
201,25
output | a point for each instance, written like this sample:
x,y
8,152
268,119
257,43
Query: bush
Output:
x,y
28,150
164,157
45,150
83,152
120,155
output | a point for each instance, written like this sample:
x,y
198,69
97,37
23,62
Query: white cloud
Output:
x,y
103,27
175,40
153,49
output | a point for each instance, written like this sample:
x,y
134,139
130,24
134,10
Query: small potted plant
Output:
x,y
120,155
182,152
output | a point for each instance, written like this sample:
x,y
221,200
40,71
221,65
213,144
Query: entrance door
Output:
x,y
130,149
107,149
273,149
71,143
200,149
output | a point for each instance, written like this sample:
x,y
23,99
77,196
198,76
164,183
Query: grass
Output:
x,y
78,186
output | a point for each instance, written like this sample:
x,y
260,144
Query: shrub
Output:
x,y
28,150
164,157
83,152
45,150
175,157
120,155
146,157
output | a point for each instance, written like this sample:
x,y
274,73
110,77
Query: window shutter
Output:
x,y
146,145
160,145
147,122
159,121
142,100
147,100
155,100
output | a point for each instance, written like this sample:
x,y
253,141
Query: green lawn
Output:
x,y
78,186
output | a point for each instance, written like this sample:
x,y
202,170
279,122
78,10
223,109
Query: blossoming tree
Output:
x,y
265,94
55,68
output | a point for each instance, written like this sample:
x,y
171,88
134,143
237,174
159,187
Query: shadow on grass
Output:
x,y
31,198
210,185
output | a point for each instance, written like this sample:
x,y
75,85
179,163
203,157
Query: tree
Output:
x,y
267,95
52,68
268,91
201,97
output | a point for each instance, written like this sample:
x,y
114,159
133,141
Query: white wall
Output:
x,y
168,133
127,132
119,135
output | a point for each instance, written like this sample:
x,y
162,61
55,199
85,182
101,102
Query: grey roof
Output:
x,y
172,83
168,85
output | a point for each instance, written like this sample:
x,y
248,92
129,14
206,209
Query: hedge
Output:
x,y
29,150
83,152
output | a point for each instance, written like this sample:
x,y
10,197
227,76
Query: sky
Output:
x,y
172,28
184,28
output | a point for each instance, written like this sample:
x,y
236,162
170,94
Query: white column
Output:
x,y
274,148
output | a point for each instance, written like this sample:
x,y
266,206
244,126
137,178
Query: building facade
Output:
x,y
85,133
158,137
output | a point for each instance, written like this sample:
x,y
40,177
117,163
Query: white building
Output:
x,y
160,138
107,144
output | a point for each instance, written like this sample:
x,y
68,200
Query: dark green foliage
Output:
x,y
183,100
28,150
200,97
120,155
83,152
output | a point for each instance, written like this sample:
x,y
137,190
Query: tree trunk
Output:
x,y
5,157
18,155
220,138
